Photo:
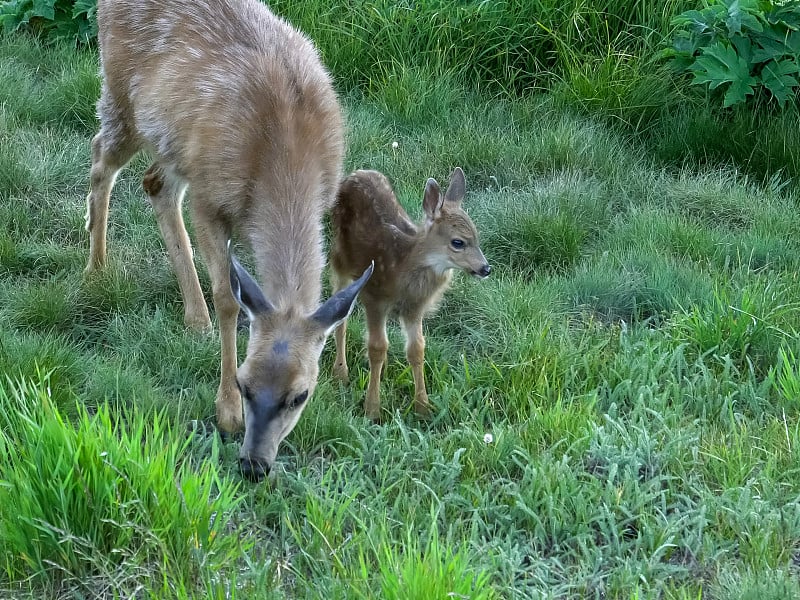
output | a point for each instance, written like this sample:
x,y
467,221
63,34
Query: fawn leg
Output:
x,y
415,353
111,150
377,345
340,370
212,239
166,195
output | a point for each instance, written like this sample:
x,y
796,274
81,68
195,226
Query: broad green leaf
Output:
x,y
44,8
780,78
769,46
738,17
694,18
737,92
721,64
744,47
793,42
84,7
788,15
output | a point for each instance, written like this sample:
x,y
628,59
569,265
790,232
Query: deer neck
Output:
x,y
287,245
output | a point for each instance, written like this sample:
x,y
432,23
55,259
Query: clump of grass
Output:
x,y
431,572
633,285
749,326
103,496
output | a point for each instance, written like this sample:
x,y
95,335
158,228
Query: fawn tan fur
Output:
x,y
413,266
234,104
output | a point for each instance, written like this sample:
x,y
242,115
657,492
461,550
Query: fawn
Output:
x,y
235,104
413,266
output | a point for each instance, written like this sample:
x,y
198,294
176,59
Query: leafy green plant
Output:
x,y
742,47
56,19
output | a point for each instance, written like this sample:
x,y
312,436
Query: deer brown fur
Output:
x,y
413,266
234,104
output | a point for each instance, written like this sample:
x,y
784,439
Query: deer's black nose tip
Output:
x,y
485,270
253,469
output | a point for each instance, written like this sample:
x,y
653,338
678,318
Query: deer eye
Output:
x,y
297,400
457,244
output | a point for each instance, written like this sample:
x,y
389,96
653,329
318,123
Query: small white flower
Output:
x,y
488,438
395,145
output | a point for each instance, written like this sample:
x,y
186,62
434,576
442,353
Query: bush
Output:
x,y
741,48
54,19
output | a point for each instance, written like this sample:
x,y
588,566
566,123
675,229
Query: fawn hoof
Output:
x,y
94,266
372,410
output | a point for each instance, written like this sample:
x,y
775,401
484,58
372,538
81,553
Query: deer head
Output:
x,y
279,373
451,237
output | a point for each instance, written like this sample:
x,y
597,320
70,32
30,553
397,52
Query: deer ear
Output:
x,y
457,188
246,291
432,200
339,306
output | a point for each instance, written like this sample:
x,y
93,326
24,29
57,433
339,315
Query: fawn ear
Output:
x,y
432,200
457,188
339,306
246,291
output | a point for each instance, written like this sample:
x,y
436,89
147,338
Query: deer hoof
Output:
x,y
198,324
341,373
422,407
229,419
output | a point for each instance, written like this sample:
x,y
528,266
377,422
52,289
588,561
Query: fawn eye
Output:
x,y
297,400
457,244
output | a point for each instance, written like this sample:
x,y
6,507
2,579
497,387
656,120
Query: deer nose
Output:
x,y
253,469
485,270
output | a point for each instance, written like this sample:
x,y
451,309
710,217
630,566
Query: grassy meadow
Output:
x,y
634,354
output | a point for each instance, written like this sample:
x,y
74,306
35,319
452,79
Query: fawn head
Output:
x,y
451,236
279,373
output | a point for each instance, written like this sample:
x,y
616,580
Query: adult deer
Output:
x,y
234,103
413,266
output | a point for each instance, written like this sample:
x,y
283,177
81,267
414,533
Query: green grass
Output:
x,y
633,356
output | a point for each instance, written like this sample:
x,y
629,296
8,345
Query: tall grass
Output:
x,y
508,46
103,499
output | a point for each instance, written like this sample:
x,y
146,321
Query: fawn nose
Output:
x,y
253,469
485,270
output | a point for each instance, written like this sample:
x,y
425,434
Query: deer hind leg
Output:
x,y
377,345
340,370
415,353
112,148
212,240
166,195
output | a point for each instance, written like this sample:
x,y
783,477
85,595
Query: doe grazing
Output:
x,y
413,266
233,103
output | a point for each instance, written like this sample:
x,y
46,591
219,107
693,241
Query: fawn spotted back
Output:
x,y
234,103
413,266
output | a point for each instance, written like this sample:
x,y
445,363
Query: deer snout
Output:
x,y
483,271
253,469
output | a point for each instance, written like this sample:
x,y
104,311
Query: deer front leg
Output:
x,y
377,345
166,196
415,353
109,155
212,241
